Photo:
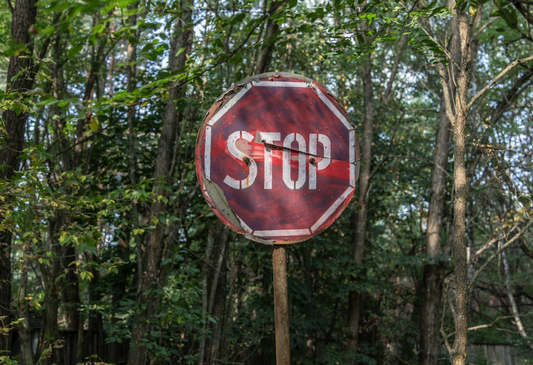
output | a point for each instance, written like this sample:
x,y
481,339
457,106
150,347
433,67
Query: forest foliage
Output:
x,y
110,254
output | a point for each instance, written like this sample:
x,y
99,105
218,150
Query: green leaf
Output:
x,y
86,275
94,124
73,51
44,261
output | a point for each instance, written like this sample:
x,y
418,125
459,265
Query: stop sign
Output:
x,y
276,158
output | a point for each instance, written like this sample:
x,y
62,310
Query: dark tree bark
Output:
x,y
70,291
433,276
354,298
97,60
131,71
397,59
458,112
95,333
259,35
459,240
217,292
26,350
269,40
47,352
149,276
24,16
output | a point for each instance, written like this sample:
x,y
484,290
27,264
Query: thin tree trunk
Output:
x,y
47,352
354,298
70,291
230,312
460,183
149,275
205,293
95,333
217,300
265,57
131,72
512,301
458,112
213,292
433,276
97,60
397,59
71,297
433,273
459,241
24,312
259,35
24,16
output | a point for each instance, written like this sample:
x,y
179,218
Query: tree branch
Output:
x,y
484,26
484,248
526,250
525,12
447,95
500,250
388,155
442,332
397,59
512,301
517,62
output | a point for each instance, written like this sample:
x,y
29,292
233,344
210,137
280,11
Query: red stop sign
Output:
x,y
276,157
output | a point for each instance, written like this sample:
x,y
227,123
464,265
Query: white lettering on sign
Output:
x,y
322,138
287,143
268,138
237,153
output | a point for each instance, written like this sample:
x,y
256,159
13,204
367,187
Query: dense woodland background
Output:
x,y
109,253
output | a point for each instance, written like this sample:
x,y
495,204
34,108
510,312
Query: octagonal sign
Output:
x,y
276,157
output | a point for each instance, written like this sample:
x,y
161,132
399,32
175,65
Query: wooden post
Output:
x,y
281,305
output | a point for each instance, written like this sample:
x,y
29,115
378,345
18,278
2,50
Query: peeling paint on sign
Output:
x,y
277,158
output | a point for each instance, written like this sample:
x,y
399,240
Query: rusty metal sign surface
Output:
x,y
276,158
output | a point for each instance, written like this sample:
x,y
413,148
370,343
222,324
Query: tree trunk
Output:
x,y
217,295
70,290
460,183
394,71
433,273
97,60
457,110
433,276
149,275
24,16
514,308
214,292
354,298
230,310
24,312
131,72
47,352
205,293
265,57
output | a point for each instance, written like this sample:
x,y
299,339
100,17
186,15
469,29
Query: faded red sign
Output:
x,y
276,157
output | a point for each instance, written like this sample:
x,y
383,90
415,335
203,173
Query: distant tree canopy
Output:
x,y
109,253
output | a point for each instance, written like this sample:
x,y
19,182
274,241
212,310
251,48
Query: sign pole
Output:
x,y
281,305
